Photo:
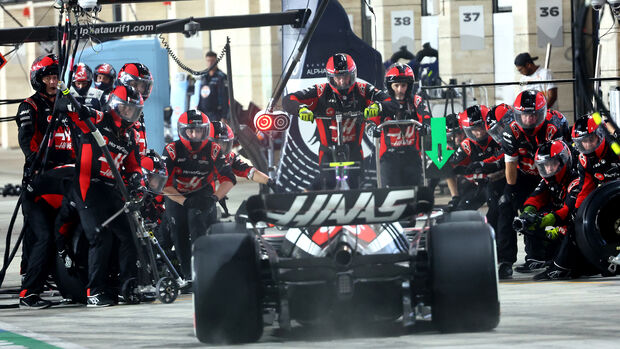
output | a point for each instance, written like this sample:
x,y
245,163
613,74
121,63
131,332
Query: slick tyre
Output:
x,y
597,227
227,293
227,228
463,278
462,216
70,285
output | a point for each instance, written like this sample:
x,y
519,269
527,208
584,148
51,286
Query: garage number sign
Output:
x,y
549,23
471,24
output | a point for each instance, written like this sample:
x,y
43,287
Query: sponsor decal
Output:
x,y
599,176
172,151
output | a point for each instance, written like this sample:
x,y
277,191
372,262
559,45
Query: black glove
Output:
x,y
509,196
476,167
63,105
67,261
201,203
134,184
86,113
453,204
272,184
425,130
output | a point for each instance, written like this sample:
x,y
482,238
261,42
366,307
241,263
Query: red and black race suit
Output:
x,y
403,139
557,198
239,167
191,171
595,170
92,166
33,117
521,147
140,128
324,101
477,160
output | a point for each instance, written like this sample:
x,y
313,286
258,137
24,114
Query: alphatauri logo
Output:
x,y
343,208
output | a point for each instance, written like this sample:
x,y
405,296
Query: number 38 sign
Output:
x,y
471,23
549,23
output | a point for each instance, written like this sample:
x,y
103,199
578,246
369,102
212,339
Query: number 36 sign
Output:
x,y
549,23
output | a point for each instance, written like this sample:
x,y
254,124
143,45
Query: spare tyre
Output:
x,y
597,226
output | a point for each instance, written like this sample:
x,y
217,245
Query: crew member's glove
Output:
x,y
509,196
201,203
548,220
425,130
552,232
306,114
528,211
372,110
454,202
271,184
134,184
66,260
476,167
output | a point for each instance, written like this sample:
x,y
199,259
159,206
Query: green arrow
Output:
x,y
439,153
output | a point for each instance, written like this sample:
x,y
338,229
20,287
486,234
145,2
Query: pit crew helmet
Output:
x,y
530,110
82,73
223,135
106,70
138,76
338,66
472,120
125,104
193,127
399,72
43,66
553,159
588,136
154,171
497,120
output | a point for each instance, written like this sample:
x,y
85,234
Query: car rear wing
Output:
x,y
330,208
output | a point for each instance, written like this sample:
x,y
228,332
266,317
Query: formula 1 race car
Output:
x,y
333,257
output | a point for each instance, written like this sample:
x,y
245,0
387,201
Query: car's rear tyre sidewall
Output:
x,y
462,216
227,292
599,211
463,277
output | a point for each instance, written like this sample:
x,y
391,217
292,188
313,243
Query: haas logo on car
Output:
x,y
343,208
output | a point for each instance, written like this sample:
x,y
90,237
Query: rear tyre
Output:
x,y
597,227
227,293
462,216
463,277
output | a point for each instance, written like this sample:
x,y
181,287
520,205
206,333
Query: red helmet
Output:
x,y
106,70
553,159
125,104
588,136
154,171
138,76
498,118
223,135
43,66
530,109
193,128
341,72
399,72
82,73
472,120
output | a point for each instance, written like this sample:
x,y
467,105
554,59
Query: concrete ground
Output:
x,y
579,313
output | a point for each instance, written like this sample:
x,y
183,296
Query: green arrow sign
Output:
x,y
439,153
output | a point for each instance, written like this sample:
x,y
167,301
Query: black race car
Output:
x,y
325,257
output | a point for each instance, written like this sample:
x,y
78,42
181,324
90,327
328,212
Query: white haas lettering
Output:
x,y
347,129
331,209
398,139
192,184
106,171
62,139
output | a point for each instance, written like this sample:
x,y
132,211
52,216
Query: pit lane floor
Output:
x,y
577,313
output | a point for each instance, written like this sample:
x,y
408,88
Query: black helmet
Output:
x,y
472,120
338,66
138,76
104,69
530,109
193,120
82,73
125,104
398,72
223,135
43,66
154,171
552,159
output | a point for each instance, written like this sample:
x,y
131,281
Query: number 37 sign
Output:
x,y
549,23
471,23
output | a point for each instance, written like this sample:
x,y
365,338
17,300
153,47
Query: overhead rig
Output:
x,y
295,18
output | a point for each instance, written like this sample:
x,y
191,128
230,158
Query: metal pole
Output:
x,y
548,55
300,50
597,73
464,97
231,95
